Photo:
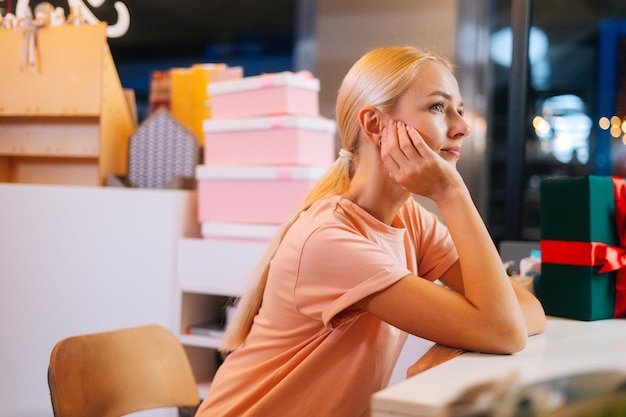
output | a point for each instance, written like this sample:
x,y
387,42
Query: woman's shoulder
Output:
x,y
421,220
416,207
321,214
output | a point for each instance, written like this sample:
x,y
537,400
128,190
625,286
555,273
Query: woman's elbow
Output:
x,y
538,325
536,321
515,342
508,339
514,333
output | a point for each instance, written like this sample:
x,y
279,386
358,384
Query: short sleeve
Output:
x,y
339,268
434,249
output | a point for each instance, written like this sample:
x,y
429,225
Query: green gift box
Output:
x,y
580,247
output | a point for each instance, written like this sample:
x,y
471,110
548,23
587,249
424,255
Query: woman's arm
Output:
x,y
486,316
532,310
490,321
436,355
534,315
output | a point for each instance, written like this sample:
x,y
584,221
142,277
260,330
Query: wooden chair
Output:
x,y
115,373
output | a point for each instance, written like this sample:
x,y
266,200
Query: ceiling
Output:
x,y
183,27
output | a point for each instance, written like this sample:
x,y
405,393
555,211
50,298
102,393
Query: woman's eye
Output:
x,y
437,107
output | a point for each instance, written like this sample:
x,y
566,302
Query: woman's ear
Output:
x,y
372,123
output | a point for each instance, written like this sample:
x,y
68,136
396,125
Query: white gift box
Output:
x,y
277,140
252,194
265,95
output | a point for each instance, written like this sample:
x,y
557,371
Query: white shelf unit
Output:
x,y
210,273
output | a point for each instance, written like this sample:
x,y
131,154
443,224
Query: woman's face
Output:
x,y
433,105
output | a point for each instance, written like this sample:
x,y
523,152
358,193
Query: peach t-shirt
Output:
x,y
311,352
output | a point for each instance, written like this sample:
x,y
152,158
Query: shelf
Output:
x,y
217,266
204,363
210,273
203,388
212,289
200,341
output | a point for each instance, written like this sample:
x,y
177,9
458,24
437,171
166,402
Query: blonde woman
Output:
x,y
353,271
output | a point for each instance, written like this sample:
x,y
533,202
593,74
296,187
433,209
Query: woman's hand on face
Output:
x,y
414,165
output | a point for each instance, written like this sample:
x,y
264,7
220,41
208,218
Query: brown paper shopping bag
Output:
x,y
64,116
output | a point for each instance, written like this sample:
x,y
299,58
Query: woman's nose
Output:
x,y
461,129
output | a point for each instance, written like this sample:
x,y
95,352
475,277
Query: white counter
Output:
x,y
567,347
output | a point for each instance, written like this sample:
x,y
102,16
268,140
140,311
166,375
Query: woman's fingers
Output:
x,y
387,146
403,161
398,142
396,146
418,143
405,142
398,150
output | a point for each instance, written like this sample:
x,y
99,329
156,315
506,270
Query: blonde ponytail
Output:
x,y
334,181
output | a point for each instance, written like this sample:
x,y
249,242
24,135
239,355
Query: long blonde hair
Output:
x,y
377,79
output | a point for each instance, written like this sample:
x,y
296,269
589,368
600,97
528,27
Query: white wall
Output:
x,y
79,260
348,28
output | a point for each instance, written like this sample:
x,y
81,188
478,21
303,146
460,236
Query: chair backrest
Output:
x,y
115,373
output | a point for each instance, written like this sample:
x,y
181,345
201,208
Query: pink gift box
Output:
x,y
265,95
278,140
252,194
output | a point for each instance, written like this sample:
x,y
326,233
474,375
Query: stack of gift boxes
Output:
x,y
265,145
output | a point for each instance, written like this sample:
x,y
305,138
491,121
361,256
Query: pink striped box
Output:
x,y
276,140
252,194
265,95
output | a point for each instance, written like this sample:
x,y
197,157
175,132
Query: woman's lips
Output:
x,y
453,150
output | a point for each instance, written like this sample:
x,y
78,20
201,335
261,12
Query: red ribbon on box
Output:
x,y
610,258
